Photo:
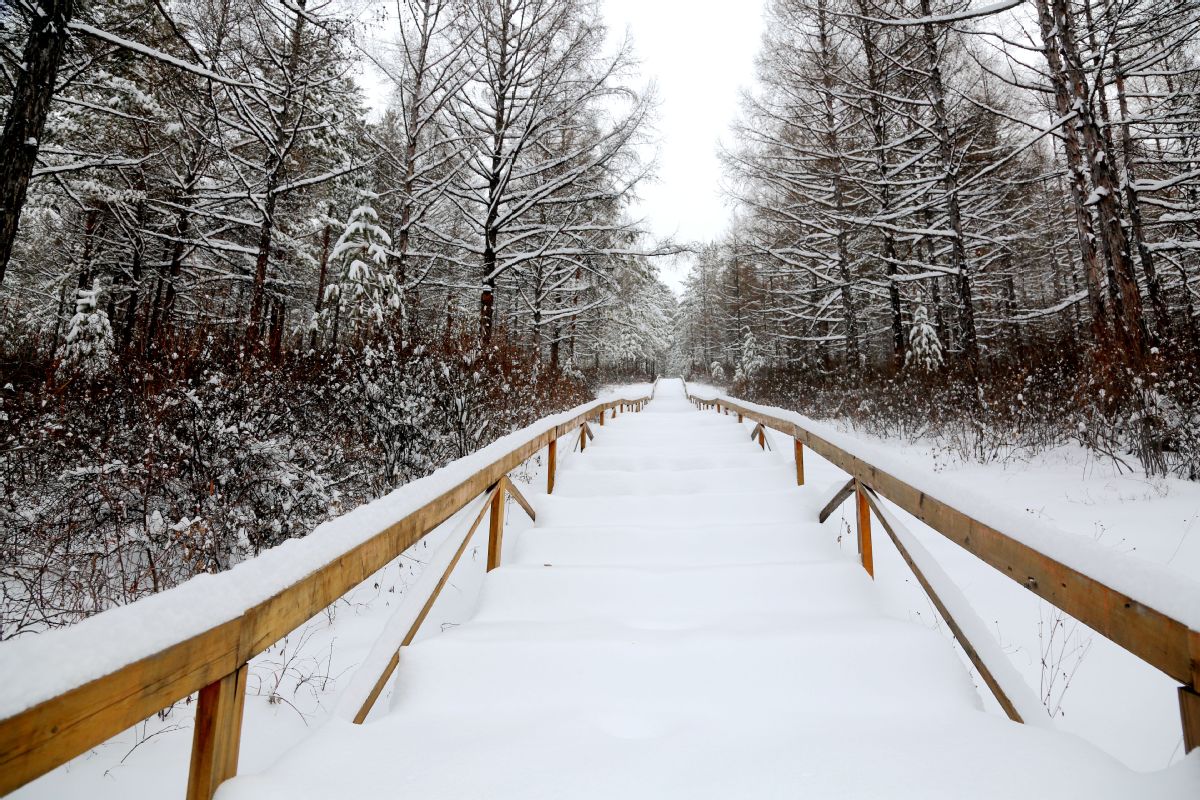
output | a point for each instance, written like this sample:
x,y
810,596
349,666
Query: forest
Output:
x,y
972,222
236,300
236,304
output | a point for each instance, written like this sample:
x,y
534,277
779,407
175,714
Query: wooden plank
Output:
x,y
496,527
863,518
836,501
1189,711
757,433
799,448
1189,699
1149,634
512,489
377,689
551,464
56,730
984,672
217,734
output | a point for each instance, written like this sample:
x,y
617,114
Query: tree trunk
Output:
x,y
129,320
27,112
274,172
1162,317
853,356
490,232
1084,229
880,135
958,250
321,279
1131,323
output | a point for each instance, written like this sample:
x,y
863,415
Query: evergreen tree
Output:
x,y
924,350
88,349
366,290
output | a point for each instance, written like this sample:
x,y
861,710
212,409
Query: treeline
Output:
x,y
209,163
956,211
236,304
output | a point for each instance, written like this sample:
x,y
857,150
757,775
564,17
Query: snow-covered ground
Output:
x,y
1103,693
1124,707
294,686
1099,691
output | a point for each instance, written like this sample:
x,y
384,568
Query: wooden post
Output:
x,y
496,526
762,436
1189,698
864,529
602,417
217,734
1189,709
799,463
582,438
552,464
739,417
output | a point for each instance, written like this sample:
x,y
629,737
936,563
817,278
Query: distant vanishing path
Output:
x,y
677,625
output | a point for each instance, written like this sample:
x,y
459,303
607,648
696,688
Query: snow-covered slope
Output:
x,y
678,625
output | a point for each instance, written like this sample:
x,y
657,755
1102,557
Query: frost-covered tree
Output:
x,y
365,291
87,350
750,361
924,350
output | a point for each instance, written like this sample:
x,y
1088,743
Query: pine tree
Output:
x,y
88,349
366,290
751,361
924,350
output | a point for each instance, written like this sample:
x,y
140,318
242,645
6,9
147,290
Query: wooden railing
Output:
x,y
1158,639
214,662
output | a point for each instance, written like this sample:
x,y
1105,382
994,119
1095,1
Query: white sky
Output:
x,y
699,53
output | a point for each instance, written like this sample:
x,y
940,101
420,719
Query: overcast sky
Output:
x,y
699,53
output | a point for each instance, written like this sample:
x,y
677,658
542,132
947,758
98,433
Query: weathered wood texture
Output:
x,y
496,528
217,735
54,731
836,501
1189,711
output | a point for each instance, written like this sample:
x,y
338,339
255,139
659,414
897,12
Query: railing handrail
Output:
x,y
1164,640
50,731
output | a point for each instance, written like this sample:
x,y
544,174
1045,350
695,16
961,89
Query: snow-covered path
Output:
x,y
677,625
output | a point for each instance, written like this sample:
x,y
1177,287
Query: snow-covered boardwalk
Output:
x,y
677,625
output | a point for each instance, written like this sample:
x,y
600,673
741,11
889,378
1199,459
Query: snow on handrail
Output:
x,y
1147,609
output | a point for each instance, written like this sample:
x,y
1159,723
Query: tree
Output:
x,y
924,350
550,130
366,290
87,350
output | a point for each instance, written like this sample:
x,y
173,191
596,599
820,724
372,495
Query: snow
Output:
x,y
645,639
1026,703
1165,590
122,635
